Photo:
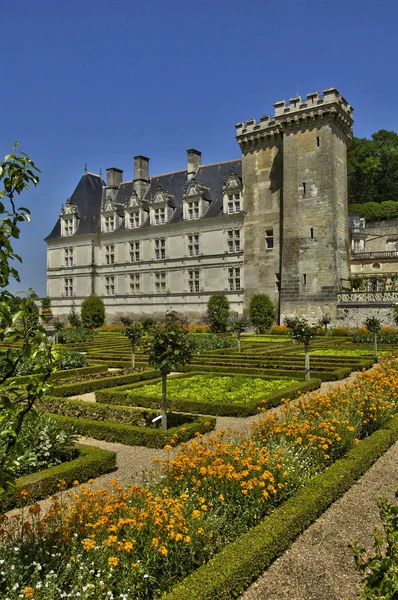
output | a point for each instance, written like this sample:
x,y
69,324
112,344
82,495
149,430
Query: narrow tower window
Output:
x,y
304,186
304,279
312,233
318,141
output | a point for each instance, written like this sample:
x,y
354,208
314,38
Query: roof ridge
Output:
x,y
222,162
169,173
95,174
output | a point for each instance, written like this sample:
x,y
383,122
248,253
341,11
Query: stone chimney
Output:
x,y
114,177
141,175
193,159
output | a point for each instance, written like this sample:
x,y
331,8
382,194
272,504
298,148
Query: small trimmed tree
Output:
x,y
93,312
302,331
218,313
133,332
324,322
373,325
239,326
261,312
170,348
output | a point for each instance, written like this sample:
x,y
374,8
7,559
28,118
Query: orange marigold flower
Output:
x,y
28,592
113,561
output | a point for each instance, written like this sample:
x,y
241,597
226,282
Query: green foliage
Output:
x,y
228,574
301,330
67,359
133,332
147,323
73,318
261,312
219,389
324,322
373,324
133,435
58,324
70,359
93,312
41,443
170,346
210,341
20,330
218,313
381,569
75,336
238,326
90,461
373,168
83,387
373,211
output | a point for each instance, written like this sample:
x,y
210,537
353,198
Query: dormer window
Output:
x,y
161,208
232,195
233,203
193,210
109,217
196,201
109,223
69,219
135,213
159,216
134,220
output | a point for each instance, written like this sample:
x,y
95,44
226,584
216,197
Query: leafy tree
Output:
x,y
324,322
73,317
170,348
302,332
133,332
147,323
21,335
373,325
239,326
218,313
93,312
373,168
261,312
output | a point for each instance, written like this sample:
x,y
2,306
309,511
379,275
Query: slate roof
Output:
x,y
89,193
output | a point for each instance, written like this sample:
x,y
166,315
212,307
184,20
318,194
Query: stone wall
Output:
x,y
356,315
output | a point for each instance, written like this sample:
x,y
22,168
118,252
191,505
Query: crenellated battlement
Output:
x,y
315,107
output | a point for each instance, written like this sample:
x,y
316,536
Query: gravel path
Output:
x,y
319,565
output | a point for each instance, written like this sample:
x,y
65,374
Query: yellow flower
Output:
x,y
155,542
196,514
187,539
28,592
88,544
163,551
221,497
168,447
201,530
113,561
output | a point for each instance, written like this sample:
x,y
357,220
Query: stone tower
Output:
x,y
294,169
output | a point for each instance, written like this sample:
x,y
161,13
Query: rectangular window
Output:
x,y
234,279
233,203
193,210
233,240
134,220
318,141
160,249
304,279
193,245
110,255
357,245
304,188
109,224
160,282
110,285
312,233
68,286
159,216
269,239
68,226
135,284
134,251
194,281
68,257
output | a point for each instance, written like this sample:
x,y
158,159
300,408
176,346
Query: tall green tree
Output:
x,y
93,312
261,312
21,336
218,313
170,348
373,168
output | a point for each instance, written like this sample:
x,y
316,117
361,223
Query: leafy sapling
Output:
x,y
324,322
373,325
170,348
302,331
239,326
133,332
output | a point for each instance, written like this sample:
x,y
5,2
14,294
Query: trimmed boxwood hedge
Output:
x,y
64,374
111,431
90,462
231,571
82,387
123,397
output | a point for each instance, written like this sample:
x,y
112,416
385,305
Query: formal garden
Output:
x,y
219,504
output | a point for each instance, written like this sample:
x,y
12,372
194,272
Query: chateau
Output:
x,y
273,221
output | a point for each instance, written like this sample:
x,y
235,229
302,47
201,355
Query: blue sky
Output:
x,y
99,82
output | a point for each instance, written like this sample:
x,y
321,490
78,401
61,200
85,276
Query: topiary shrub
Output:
x,y
93,312
218,313
75,336
261,312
